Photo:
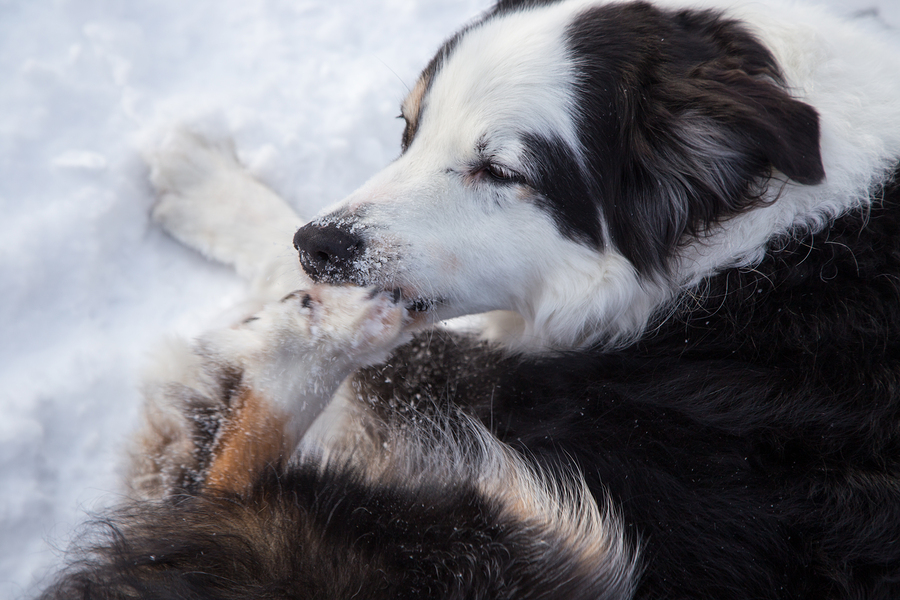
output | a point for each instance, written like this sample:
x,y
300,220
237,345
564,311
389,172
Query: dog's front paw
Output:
x,y
344,325
305,345
292,357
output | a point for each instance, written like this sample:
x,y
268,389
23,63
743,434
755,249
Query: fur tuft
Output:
x,y
444,525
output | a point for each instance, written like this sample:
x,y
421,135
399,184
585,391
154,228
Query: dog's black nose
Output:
x,y
328,253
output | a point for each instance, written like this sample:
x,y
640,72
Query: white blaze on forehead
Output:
x,y
509,75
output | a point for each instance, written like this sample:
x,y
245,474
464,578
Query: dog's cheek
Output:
x,y
502,255
450,264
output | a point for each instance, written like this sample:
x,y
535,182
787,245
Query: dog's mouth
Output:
x,y
332,252
418,309
414,304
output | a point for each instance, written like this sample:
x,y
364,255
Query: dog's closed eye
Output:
x,y
499,173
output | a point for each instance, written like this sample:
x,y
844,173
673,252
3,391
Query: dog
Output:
x,y
681,226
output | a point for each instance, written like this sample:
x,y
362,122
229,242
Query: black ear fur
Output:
x,y
701,152
504,6
784,131
697,121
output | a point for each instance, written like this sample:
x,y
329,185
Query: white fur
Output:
x,y
209,202
292,356
852,78
557,508
438,232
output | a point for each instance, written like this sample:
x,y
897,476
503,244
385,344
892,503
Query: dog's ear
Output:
x,y
700,150
780,130
685,119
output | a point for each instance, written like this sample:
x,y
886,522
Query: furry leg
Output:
x,y
209,202
242,398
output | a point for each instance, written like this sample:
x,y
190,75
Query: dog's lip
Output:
x,y
420,305
414,303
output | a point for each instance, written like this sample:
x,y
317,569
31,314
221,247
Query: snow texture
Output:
x,y
308,90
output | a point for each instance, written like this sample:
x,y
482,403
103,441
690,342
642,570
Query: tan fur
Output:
x,y
254,438
412,105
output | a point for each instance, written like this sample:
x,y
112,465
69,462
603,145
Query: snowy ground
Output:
x,y
308,89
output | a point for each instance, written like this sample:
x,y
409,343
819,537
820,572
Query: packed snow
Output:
x,y
307,89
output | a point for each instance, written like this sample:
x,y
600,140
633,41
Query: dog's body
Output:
x,y
691,223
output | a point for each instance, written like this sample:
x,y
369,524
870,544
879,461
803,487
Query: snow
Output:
x,y
308,90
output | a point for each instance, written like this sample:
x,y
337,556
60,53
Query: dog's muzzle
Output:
x,y
329,254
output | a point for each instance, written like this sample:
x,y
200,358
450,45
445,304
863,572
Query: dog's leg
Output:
x,y
209,202
245,396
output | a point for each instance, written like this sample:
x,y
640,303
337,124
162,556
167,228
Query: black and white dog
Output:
x,y
682,227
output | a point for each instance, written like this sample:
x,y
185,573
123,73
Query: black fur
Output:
x,y
650,82
307,533
751,439
752,443
682,116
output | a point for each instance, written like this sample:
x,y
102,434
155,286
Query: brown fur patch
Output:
x,y
412,108
254,438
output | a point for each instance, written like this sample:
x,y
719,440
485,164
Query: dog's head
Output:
x,y
557,159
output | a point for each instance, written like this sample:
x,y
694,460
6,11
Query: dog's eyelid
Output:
x,y
500,173
491,164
